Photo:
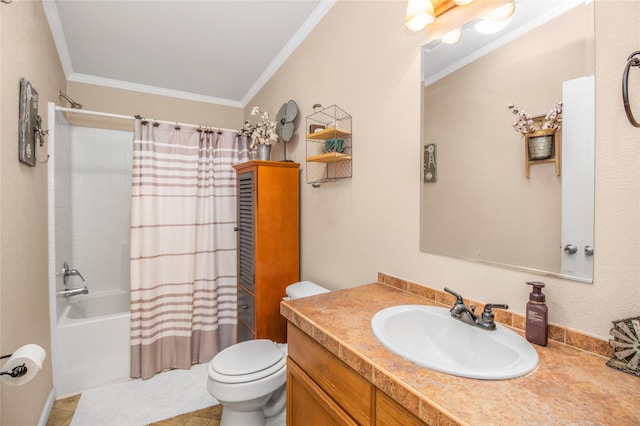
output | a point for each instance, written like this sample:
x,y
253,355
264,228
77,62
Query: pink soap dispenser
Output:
x,y
537,314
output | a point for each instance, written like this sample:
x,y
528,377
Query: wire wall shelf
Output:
x,y
329,146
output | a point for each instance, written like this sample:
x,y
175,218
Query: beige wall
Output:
x,y
360,58
26,50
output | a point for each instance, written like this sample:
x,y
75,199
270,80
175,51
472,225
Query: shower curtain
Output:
x,y
183,245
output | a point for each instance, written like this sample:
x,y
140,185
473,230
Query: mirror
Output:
x,y
478,202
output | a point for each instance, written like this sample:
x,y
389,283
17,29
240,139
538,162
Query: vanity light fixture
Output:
x,y
452,37
492,16
420,13
495,20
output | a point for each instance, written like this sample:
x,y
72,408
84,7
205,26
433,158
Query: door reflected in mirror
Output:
x,y
482,206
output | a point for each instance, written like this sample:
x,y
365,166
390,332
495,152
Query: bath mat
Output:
x,y
140,402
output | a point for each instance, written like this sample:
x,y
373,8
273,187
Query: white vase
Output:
x,y
264,152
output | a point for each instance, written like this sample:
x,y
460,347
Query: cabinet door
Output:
x,y
345,386
308,404
390,413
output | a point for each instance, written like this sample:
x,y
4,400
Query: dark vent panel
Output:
x,y
246,240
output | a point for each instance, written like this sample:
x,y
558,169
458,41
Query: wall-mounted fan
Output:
x,y
284,123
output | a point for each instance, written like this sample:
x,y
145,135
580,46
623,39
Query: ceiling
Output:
x,y
216,51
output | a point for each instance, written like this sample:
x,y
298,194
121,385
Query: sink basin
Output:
x,y
430,337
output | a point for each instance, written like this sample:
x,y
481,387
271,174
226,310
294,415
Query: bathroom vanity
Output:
x,y
338,373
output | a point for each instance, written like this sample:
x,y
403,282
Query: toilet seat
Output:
x,y
247,362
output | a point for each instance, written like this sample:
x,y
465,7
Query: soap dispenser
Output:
x,y
537,313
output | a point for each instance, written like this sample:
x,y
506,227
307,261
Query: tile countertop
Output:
x,y
570,386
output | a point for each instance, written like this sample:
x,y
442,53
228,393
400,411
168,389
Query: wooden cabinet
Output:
x,y
319,379
310,405
268,212
390,413
323,390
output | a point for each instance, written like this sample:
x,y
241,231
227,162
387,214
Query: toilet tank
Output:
x,y
304,289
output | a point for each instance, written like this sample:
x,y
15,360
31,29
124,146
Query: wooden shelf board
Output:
x,y
329,157
328,134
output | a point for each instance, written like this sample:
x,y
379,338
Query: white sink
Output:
x,y
430,337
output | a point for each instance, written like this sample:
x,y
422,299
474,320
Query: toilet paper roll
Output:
x,y
31,356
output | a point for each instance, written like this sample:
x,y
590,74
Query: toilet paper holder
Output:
x,y
23,364
17,371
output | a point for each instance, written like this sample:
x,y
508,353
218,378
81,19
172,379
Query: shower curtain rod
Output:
x,y
130,117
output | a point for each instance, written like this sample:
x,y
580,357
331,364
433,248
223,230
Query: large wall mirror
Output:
x,y
477,201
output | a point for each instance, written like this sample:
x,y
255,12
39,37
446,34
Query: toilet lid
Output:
x,y
247,361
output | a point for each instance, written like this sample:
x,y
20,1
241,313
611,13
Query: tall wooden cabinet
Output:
x,y
268,233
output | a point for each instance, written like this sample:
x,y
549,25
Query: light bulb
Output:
x,y
452,37
496,20
487,26
462,2
419,14
501,13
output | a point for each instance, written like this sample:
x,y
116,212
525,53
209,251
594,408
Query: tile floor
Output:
x,y
63,409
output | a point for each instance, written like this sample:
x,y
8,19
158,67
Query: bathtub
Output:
x,y
91,343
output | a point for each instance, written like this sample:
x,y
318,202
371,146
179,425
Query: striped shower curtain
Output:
x,y
183,246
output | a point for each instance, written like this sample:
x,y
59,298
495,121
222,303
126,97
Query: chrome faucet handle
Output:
x,y
75,272
67,272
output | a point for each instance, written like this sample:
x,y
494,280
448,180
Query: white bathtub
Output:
x,y
92,342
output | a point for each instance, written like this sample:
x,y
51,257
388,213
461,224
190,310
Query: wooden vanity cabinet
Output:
x,y
323,390
320,383
310,405
390,413
268,235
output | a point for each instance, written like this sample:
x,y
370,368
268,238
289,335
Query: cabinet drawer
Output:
x,y
246,308
347,388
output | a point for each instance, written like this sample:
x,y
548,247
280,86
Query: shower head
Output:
x,y
73,104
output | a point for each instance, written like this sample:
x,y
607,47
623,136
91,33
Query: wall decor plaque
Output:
x,y
27,122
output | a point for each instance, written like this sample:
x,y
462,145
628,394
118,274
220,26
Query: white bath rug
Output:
x,y
140,402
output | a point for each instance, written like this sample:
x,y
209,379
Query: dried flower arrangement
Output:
x,y
263,132
526,125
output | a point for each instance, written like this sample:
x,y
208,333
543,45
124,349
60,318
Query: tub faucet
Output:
x,y
467,315
70,292
68,272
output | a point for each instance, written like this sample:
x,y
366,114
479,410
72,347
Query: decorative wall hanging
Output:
x,y
284,123
27,122
626,346
429,164
541,136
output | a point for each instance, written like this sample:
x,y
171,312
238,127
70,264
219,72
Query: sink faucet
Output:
x,y
467,315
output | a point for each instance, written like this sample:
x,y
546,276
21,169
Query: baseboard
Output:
x,y
46,410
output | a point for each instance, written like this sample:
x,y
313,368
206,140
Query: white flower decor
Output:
x,y
525,125
263,132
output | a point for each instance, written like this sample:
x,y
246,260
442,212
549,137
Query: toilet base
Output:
x,y
242,418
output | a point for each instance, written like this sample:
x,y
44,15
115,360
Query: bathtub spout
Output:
x,y
69,292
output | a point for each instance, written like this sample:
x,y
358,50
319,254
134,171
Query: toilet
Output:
x,y
248,378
